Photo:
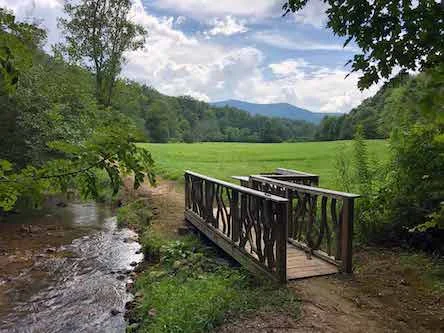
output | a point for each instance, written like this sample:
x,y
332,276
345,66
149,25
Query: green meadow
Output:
x,y
223,160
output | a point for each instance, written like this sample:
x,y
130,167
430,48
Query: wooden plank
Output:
x,y
295,274
242,189
284,171
317,253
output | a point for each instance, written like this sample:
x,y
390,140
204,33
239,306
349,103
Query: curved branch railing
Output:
x,y
248,224
319,220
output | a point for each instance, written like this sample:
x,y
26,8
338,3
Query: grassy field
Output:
x,y
223,160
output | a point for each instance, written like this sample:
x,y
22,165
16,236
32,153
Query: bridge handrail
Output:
x,y
316,218
250,225
239,188
306,189
284,171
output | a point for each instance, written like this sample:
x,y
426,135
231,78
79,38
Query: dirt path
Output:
x,y
380,297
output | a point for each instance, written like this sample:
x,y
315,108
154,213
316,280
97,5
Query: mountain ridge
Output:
x,y
275,110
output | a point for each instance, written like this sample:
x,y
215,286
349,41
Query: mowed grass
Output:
x,y
223,160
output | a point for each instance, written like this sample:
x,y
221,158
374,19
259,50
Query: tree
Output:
x,y
97,33
391,33
54,133
17,42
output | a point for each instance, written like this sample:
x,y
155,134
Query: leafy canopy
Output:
x,y
55,134
391,33
97,34
17,40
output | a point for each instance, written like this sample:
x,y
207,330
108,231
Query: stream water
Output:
x,y
79,286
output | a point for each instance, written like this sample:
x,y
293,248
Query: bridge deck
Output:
x,y
299,265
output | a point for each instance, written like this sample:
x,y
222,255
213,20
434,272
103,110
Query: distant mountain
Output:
x,y
276,110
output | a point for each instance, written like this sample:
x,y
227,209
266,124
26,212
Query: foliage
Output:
x,y
392,33
430,271
184,119
402,201
55,135
372,114
190,290
135,214
17,41
97,34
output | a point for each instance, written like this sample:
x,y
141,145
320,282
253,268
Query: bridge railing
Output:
x,y
292,176
248,224
320,221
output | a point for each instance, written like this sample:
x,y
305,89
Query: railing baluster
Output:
x,y
304,228
235,217
347,235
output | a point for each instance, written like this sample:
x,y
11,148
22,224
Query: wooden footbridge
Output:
x,y
280,224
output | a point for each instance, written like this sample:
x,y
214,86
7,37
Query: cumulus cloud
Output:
x,y
180,20
313,14
42,12
276,39
313,87
289,67
179,64
205,8
227,26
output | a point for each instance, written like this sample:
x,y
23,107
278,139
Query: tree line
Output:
x,y
185,119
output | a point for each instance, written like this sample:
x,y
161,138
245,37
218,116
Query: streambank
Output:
x,y
186,284
65,269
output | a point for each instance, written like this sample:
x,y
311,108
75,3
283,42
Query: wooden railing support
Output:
x,y
249,225
347,235
281,244
320,221
234,208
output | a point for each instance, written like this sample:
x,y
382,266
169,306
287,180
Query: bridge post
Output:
x,y
347,235
234,209
281,242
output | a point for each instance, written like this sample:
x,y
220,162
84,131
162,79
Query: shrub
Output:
x,y
136,214
192,290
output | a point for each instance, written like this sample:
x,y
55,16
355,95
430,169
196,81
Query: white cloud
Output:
x,y
300,83
42,12
274,38
289,67
180,20
227,26
205,8
179,64
313,14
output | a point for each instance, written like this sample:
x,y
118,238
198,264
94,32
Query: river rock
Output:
x,y
114,312
120,277
129,286
134,264
130,305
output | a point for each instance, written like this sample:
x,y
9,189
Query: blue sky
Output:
x,y
232,49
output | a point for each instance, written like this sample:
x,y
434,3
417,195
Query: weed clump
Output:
x,y
135,214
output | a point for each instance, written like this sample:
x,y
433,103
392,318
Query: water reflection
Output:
x,y
76,288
